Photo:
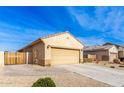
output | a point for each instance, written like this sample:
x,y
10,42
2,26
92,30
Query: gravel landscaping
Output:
x,y
26,75
110,65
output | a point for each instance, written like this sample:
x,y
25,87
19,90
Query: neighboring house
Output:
x,y
120,50
61,48
103,53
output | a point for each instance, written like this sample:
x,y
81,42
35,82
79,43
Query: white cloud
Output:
x,y
109,21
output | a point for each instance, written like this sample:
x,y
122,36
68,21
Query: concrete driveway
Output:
x,y
110,76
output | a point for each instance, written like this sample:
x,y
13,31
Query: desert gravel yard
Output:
x,y
25,75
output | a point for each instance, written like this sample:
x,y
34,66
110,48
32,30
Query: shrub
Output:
x,y
121,65
44,82
104,63
112,66
116,61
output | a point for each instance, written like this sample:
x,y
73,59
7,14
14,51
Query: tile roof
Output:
x,y
93,48
40,39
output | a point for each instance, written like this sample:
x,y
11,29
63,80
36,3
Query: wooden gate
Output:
x,y
11,58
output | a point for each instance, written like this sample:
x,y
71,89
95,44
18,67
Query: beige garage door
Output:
x,y
64,56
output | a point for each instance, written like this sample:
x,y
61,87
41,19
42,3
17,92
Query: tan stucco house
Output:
x,y
120,50
61,48
103,53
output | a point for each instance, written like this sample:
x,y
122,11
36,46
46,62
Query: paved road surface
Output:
x,y
110,76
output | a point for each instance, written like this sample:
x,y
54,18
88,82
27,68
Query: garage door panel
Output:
x,y
64,56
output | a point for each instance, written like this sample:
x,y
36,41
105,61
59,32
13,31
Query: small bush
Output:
x,y
44,82
112,66
116,61
104,63
121,65
88,60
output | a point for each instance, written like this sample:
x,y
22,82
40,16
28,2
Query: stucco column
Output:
x,y
81,56
27,57
1,59
47,55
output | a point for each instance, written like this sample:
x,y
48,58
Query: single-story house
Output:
x,y
61,48
103,53
120,50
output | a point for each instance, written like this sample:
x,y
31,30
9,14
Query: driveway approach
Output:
x,y
110,76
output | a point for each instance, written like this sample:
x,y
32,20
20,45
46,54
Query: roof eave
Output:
x,y
95,50
33,43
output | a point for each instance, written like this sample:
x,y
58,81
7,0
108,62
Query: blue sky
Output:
x,y
92,25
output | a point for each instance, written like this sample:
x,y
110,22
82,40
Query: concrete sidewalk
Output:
x,y
110,76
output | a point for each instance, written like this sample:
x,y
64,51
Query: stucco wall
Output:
x,y
81,56
113,50
29,49
98,54
38,53
63,40
47,55
121,54
30,57
113,53
1,59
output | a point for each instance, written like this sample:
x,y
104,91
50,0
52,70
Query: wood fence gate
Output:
x,y
14,58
